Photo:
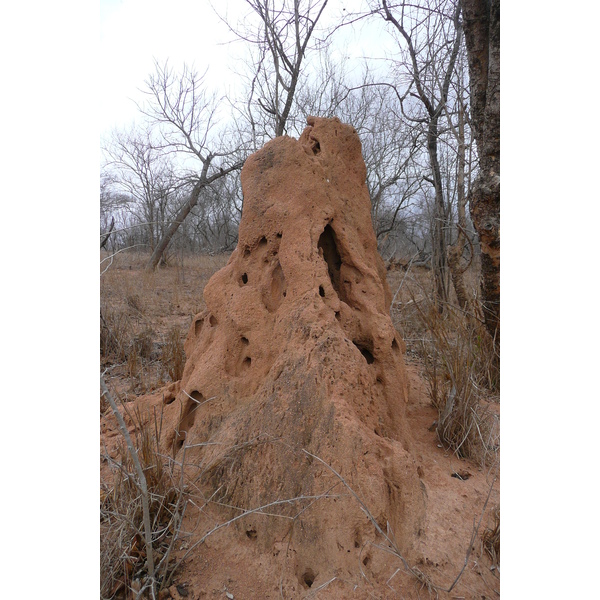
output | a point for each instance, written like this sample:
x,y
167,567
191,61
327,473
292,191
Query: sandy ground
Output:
x,y
232,566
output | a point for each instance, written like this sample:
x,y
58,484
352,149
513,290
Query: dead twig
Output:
x,y
141,483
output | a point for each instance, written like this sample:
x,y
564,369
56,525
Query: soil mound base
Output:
x,y
294,393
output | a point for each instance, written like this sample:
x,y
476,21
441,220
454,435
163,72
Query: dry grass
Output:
x,y
458,360
459,364
491,538
172,354
115,334
123,552
145,317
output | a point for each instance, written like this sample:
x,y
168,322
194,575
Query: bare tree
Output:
x,y
482,38
431,37
146,175
184,116
106,236
280,38
456,250
215,220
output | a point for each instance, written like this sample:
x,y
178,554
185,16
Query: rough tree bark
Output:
x,y
481,24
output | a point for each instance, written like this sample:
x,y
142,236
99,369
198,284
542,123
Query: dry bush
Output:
x,y
460,370
140,349
115,334
173,355
143,343
461,366
491,538
122,550
134,301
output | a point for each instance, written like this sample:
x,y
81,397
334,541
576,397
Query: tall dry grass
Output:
x,y
459,363
144,317
459,367
491,538
124,553
173,355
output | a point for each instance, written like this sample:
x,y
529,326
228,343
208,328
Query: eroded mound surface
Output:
x,y
295,389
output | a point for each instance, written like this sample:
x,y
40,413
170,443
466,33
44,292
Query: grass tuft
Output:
x,y
115,334
459,370
123,565
459,361
173,355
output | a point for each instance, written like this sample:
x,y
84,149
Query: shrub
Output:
x,y
460,370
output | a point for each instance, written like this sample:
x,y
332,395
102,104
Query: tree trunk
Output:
x,y
440,214
482,37
456,251
185,210
440,270
107,235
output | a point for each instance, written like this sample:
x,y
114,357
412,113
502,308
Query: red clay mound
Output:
x,y
294,358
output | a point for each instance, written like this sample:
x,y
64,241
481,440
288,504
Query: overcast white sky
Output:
x,y
135,32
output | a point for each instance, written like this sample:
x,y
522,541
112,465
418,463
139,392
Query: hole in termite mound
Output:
x,y
275,293
198,326
328,246
315,146
366,352
321,291
368,356
197,397
168,398
188,416
244,279
308,578
251,533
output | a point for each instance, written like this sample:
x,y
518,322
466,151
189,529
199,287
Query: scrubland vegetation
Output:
x,y
144,320
171,203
